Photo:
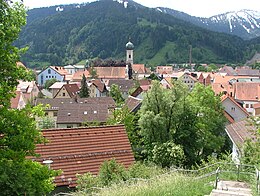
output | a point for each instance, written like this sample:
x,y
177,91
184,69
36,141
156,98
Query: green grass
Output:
x,y
173,184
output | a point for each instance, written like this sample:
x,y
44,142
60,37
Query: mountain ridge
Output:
x,y
243,23
101,29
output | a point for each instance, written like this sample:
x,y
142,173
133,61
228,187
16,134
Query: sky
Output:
x,y
200,8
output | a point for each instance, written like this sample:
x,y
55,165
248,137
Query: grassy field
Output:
x,y
174,184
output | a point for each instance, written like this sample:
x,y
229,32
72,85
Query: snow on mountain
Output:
x,y
243,23
248,19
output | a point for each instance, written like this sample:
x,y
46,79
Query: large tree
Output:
x,y
84,90
194,120
18,133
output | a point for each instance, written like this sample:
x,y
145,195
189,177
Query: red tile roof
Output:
x,y
81,150
77,77
111,72
247,91
60,70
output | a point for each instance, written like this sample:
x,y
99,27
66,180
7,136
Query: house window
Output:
x,y
129,56
49,71
63,94
251,105
233,109
55,113
69,126
46,76
247,105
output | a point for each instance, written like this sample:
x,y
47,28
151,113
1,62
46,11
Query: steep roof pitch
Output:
x,y
99,85
81,150
133,103
60,70
72,89
18,102
140,69
240,131
224,97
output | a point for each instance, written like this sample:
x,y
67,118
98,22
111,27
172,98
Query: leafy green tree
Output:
x,y
84,90
116,94
168,154
130,120
194,120
18,133
250,149
50,82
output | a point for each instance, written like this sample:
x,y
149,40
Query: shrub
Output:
x,y
168,154
140,170
86,182
112,172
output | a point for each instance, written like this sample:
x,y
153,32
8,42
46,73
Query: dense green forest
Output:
x,y
101,29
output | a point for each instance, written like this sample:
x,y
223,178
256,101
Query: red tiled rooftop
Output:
x,y
81,150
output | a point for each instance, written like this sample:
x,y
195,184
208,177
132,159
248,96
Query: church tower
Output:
x,y
129,59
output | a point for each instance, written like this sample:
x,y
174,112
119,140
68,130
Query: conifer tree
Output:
x,y
84,91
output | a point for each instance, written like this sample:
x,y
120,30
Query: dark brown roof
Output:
x,y
81,150
59,102
240,131
99,85
133,103
72,89
124,85
80,113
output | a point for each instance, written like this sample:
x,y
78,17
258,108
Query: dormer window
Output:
x,y
95,112
69,114
85,112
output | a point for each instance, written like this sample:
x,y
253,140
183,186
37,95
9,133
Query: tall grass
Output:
x,y
171,184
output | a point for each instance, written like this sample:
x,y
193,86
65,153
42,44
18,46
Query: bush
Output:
x,y
112,172
140,170
168,154
86,182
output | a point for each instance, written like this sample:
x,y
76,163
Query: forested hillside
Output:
x,y
101,29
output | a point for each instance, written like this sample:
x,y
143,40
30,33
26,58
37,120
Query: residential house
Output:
x,y
72,69
139,92
161,70
189,80
56,87
233,111
228,70
133,103
29,89
140,71
67,91
97,88
75,112
81,150
166,83
18,102
204,78
124,85
52,72
238,133
247,94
